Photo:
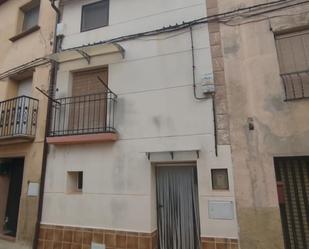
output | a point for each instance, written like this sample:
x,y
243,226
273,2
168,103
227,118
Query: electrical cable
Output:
x,y
227,22
203,20
221,18
24,67
194,67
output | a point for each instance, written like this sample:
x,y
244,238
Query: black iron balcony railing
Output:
x,y
80,115
18,117
296,85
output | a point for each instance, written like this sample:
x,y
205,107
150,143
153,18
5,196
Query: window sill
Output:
x,y
89,29
24,33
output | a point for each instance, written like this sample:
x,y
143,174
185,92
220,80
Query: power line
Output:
x,y
24,67
221,17
203,20
261,14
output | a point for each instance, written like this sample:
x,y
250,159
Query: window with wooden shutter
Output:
x,y
88,112
293,55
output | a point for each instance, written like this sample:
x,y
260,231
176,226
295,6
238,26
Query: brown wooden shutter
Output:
x,y
293,56
86,82
88,111
293,52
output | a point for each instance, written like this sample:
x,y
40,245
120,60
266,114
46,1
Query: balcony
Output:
x,y
18,119
83,119
296,85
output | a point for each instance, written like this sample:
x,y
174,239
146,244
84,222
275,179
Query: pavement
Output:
x,y
12,245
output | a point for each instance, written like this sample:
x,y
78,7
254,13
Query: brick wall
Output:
x,y
62,237
219,243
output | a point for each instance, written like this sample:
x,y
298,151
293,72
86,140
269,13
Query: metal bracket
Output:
x,y
84,54
122,51
46,95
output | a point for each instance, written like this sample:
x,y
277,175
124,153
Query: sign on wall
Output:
x,y
33,189
221,210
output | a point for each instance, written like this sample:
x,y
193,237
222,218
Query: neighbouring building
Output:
x,y
26,35
266,63
139,151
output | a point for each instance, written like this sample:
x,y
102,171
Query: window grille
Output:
x,y
293,55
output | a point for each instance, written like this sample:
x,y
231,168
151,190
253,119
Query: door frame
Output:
x,y
192,164
23,158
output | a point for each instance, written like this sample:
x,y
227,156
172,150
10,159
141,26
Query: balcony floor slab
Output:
x,y
81,139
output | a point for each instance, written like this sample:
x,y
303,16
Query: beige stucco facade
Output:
x,y
13,54
153,81
256,100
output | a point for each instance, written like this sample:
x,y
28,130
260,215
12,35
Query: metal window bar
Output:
x,y
293,172
86,114
18,117
296,85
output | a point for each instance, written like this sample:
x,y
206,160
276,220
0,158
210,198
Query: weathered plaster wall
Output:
x,y
33,153
156,111
32,170
13,54
30,47
280,128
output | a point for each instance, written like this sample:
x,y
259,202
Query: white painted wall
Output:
x,y
128,17
156,111
25,87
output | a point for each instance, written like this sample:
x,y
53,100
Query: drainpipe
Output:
x,y
205,97
52,82
52,3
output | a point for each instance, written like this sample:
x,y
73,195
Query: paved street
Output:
x,y
9,245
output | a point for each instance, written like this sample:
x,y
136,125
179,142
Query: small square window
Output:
x,y
95,15
30,17
75,181
220,180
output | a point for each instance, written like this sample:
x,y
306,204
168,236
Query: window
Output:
x,y
30,17
89,114
75,181
79,181
220,180
27,20
293,56
95,15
